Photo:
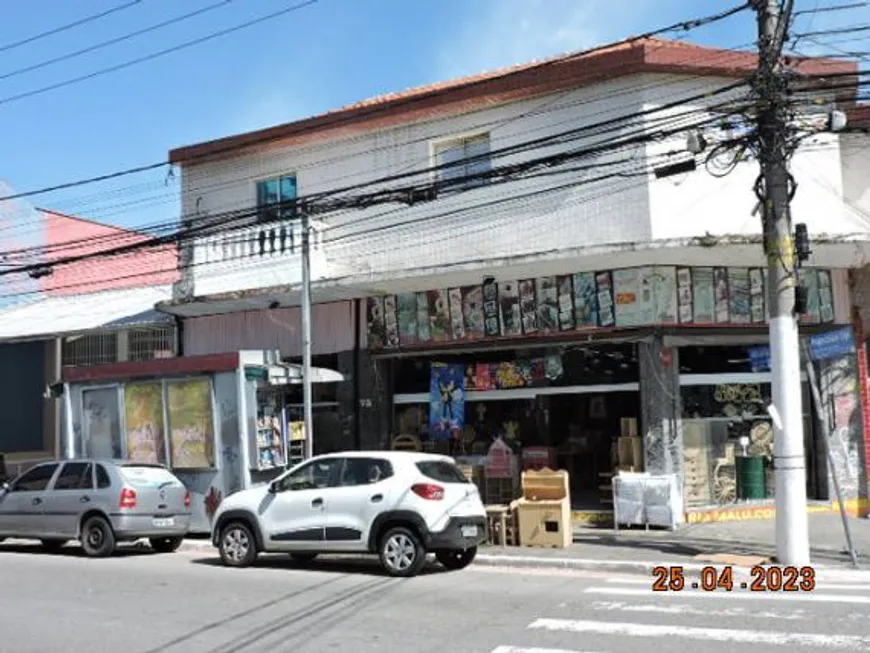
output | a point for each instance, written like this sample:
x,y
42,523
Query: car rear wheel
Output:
x,y
165,544
237,545
98,539
401,552
457,558
53,546
303,557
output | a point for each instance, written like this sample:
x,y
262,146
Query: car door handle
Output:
x,y
37,501
377,498
317,503
84,499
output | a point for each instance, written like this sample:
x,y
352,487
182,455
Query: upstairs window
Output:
x,y
271,194
466,157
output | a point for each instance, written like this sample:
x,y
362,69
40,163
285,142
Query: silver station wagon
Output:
x,y
97,502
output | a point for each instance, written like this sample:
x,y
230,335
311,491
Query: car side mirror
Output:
x,y
273,487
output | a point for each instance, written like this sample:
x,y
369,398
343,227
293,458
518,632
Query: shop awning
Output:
x,y
290,373
72,314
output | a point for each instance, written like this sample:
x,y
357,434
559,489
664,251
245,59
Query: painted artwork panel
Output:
x,y
143,412
191,422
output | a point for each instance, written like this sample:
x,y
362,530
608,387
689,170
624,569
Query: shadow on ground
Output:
x,y
73,550
367,566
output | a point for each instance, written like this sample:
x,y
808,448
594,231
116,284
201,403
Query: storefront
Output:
x,y
578,364
220,422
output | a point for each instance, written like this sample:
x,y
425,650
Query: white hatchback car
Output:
x,y
398,505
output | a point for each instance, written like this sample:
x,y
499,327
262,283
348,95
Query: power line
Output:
x,y
150,57
684,26
119,39
68,26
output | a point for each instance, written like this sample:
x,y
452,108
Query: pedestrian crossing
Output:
x,y
624,614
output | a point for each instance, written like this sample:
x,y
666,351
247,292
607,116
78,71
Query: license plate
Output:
x,y
469,531
163,523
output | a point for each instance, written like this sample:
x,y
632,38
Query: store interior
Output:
x,y
575,407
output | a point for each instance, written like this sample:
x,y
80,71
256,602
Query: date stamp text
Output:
x,y
711,579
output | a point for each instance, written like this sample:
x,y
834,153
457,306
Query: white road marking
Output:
x,y
736,595
520,649
791,615
843,642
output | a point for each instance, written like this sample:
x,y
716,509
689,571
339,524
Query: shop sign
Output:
x,y
833,344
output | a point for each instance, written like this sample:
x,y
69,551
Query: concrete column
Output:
x,y
660,408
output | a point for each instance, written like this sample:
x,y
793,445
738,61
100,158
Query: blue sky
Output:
x,y
320,57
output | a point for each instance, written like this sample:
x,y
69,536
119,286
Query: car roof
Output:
x,y
120,462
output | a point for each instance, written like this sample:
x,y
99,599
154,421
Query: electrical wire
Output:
x,y
69,26
338,120
120,39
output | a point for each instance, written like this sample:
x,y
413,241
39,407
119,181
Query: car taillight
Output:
x,y
428,491
187,499
128,498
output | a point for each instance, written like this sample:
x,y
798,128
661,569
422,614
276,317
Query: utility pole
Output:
x,y
773,189
306,336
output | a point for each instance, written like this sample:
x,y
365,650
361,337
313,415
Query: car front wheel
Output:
x,y
401,552
165,544
457,558
238,548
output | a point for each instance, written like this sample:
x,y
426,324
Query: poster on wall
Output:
x,y
528,306
548,304
391,325
721,295
143,411
626,294
757,299
509,308
684,295
472,312
663,284
191,423
604,283
809,279
423,334
703,296
826,296
490,309
457,328
406,315
377,328
739,295
102,423
565,302
446,401
585,300
439,315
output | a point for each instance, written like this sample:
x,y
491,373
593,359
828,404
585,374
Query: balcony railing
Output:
x,y
257,242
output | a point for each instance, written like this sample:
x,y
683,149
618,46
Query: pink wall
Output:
x,y
67,236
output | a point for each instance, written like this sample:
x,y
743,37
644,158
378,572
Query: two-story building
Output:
x,y
584,267
92,311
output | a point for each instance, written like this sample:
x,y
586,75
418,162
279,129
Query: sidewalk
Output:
x,y
743,544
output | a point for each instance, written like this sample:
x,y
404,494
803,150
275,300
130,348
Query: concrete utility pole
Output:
x,y
792,531
306,336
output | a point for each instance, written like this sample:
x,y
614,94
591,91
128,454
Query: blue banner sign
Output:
x,y
759,358
832,344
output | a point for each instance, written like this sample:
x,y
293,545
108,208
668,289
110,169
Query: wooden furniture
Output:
x,y
497,522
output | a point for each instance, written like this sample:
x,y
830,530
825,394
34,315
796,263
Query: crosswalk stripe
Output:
x,y
680,609
520,649
842,642
740,595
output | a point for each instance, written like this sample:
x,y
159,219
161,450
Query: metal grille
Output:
x,y
90,349
151,342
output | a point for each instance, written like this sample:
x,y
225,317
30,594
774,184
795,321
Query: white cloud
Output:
x,y
507,32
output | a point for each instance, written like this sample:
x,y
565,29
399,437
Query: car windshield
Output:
x,y
144,476
442,470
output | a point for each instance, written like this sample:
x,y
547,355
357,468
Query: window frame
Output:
x,y
438,145
263,214
89,467
13,487
384,462
281,483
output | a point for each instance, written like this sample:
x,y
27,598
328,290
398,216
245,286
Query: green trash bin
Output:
x,y
751,480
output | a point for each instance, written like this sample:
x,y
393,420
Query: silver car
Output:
x,y
97,502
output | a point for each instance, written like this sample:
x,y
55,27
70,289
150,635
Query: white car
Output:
x,y
398,505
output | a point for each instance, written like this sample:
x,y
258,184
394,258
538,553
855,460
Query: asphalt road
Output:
x,y
140,602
